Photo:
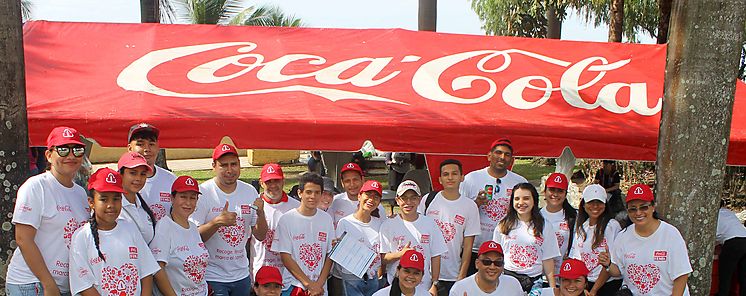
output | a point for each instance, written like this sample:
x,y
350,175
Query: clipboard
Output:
x,y
351,255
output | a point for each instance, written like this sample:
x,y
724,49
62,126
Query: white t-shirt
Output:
x,y
227,247
507,285
55,211
524,252
136,214
128,260
423,235
649,265
342,207
418,291
728,226
495,209
308,240
261,254
185,256
583,248
157,192
365,233
456,219
561,231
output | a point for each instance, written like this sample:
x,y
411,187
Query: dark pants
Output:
x,y
608,289
444,287
395,178
335,287
732,263
238,288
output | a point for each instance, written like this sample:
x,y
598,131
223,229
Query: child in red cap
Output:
x,y
409,274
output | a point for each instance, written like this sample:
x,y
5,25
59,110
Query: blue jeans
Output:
x,y
32,289
238,288
360,287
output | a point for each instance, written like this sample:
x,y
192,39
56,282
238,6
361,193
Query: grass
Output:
x,y
530,171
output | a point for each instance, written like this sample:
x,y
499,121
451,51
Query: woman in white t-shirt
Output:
x,y
650,254
108,256
595,231
49,208
529,242
134,170
560,214
408,276
178,247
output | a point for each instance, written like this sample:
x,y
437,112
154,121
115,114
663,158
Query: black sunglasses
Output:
x,y
65,150
498,263
642,208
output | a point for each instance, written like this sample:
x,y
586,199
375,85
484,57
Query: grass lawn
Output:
x,y
531,172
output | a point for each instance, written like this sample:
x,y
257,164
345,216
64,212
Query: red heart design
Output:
x,y
120,281
310,254
560,239
159,211
233,235
195,266
644,277
590,260
523,256
69,229
448,230
497,208
268,239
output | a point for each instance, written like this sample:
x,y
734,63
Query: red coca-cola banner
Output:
x,y
331,89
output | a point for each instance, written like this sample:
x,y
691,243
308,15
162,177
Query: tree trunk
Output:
x,y
616,21
695,123
664,18
14,150
149,11
427,15
554,25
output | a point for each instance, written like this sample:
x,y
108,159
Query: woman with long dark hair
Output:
x,y
529,242
560,214
409,274
134,170
595,231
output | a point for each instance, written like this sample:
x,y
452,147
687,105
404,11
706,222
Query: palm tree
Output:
x,y
232,12
26,9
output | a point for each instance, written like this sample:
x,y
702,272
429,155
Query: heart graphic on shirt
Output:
x,y
159,211
310,254
448,230
120,281
195,266
69,229
590,260
523,256
268,239
560,239
496,209
644,277
233,235
419,248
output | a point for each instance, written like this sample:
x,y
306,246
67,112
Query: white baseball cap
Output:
x,y
594,192
407,185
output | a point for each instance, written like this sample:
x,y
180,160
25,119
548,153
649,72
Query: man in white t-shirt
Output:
x,y
490,188
489,279
304,241
458,219
228,213
410,230
276,203
143,139
345,203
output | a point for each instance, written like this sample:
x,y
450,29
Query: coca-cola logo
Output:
x,y
363,73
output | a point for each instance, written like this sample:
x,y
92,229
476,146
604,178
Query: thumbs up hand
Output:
x,y
226,218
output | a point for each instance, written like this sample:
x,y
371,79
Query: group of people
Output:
x,y
142,231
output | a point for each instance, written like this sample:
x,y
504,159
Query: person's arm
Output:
x,y
393,256
321,281
548,265
435,271
679,285
146,285
297,272
259,231
25,235
162,281
465,257
225,218
602,278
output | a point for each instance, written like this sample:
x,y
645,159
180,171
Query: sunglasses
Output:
x,y
642,208
65,150
497,263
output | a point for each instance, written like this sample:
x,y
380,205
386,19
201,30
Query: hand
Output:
x,y
433,290
259,203
603,258
51,290
315,289
481,199
590,293
226,218
405,249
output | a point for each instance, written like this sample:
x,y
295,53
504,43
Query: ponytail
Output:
x,y
395,289
147,209
94,232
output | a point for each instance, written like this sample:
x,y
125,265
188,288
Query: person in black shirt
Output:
x,y
608,177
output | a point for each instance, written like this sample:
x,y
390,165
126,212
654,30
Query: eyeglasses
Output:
x,y
497,263
642,208
409,199
64,151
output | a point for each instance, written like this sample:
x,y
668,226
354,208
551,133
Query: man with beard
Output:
x,y
489,279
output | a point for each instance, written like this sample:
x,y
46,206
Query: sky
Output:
x,y
454,16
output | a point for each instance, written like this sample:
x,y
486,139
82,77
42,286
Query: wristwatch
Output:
x,y
435,283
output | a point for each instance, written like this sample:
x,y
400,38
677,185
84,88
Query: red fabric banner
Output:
x,y
331,89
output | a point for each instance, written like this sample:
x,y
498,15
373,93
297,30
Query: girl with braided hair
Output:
x,y
108,256
134,170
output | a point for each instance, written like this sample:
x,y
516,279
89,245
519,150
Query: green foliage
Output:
x,y
640,16
233,12
26,7
522,18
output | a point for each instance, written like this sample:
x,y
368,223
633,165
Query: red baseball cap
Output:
x,y
372,185
132,160
641,192
142,127
271,171
351,167
268,274
63,135
223,149
572,269
413,259
557,180
184,184
502,142
106,180
490,246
